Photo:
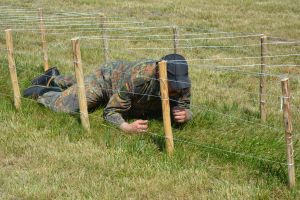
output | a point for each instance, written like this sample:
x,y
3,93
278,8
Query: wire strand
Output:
x,y
194,47
184,141
167,39
108,29
222,150
202,107
74,25
71,63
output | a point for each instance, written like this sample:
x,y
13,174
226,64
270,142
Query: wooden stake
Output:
x,y
80,84
288,131
12,69
175,37
104,38
43,37
262,87
166,106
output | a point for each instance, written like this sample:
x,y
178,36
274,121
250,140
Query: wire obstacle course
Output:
x,y
70,25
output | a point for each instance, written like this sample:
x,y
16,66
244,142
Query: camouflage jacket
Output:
x,y
133,90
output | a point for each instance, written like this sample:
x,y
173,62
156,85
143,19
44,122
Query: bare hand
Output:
x,y
138,126
180,115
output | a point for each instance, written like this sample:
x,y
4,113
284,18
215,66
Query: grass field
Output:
x,y
223,153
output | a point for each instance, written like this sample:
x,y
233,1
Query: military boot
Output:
x,y
35,91
46,78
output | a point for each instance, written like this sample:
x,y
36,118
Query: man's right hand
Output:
x,y
138,126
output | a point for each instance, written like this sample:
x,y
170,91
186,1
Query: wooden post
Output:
x,y
12,69
80,84
104,38
43,37
166,106
262,87
288,131
175,38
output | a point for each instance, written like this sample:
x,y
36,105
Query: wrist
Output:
x,y
189,114
125,127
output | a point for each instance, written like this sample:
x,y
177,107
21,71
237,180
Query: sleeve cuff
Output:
x,y
115,119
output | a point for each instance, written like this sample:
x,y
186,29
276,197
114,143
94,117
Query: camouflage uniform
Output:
x,y
127,90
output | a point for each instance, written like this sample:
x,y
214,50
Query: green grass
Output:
x,y
223,153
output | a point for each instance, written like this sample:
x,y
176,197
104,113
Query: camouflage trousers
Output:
x,y
67,100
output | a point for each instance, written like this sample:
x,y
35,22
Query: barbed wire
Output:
x,y
97,15
171,35
154,27
202,107
98,66
237,118
52,17
246,92
185,34
235,46
18,12
81,15
206,46
69,25
56,16
97,22
239,58
222,47
184,82
233,69
258,74
167,39
282,65
191,59
259,64
222,67
76,23
61,20
205,59
116,38
181,140
282,39
212,147
240,154
61,14
108,68
47,20
136,31
107,29
222,150
228,68
242,95
213,67
165,35
193,47
277,43
241,92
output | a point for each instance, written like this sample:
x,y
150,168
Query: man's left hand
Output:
x,y
180,115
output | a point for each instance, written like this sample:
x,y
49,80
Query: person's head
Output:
x,y
178,76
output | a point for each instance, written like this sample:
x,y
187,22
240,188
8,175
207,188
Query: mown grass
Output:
x,y
223,153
